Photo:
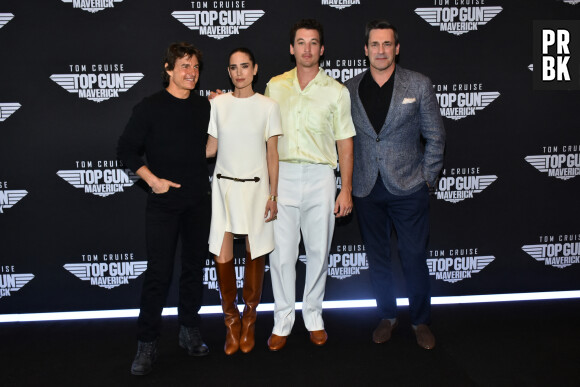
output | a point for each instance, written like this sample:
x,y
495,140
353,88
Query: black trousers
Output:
x,y
184,213
377,214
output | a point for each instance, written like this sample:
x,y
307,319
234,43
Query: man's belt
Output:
x,y
220,176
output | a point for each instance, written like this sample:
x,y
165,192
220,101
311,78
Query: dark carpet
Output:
x,y
533,343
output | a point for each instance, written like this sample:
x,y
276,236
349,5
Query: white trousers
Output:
x,y
306,197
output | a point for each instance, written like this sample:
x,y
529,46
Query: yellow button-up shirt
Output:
x,y
313,119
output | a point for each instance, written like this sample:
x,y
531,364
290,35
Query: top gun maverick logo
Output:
x,y
343,69
104,181
225,18
458,101
107,270
5,18
7,108
92,5
560,162
10,281
340,4
344,261
210,274
8,198
557,251
458,184
458,20
456,264
97,82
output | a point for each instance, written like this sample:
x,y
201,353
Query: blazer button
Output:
x,y
378,139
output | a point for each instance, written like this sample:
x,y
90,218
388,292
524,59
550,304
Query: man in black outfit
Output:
x,y
169,128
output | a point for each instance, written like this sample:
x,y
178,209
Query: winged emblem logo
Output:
x,y
485,97
71,83
15,282
231,21
542,164
7,108
556,258
85,271
5,18
446,275
91,5
434,16
455,196
8,198
78,179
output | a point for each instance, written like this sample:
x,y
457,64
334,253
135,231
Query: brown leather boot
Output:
x,y
226,275
253,280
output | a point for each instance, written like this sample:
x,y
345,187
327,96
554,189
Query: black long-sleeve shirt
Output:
x,y
171,133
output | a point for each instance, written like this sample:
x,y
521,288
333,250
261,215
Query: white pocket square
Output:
x,y
408,100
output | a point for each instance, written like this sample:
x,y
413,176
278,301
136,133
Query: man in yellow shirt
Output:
x,y
316,121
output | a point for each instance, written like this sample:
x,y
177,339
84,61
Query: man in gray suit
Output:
x,y
398,154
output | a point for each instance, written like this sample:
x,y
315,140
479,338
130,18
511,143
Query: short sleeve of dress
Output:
x,y
212,127
274,126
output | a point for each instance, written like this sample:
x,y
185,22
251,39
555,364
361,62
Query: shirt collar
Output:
x,y
319,79
368,79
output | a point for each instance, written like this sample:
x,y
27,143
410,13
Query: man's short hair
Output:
x,y
177,51
309,24
380,24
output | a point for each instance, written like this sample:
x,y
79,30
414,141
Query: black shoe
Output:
x,y
146,356
190,339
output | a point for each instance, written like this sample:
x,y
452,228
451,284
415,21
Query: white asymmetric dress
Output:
x,y
242,127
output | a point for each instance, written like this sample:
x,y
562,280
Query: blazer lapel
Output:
x,y
399,90
367,127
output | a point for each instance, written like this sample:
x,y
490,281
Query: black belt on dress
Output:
x,y
220,176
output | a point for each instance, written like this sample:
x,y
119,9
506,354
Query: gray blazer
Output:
x,y
397,151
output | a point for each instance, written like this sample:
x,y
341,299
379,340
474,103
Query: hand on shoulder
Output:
x,y
214,94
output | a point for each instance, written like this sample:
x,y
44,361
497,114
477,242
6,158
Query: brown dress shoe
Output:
x,y
382,332
318,337
425,338
276,343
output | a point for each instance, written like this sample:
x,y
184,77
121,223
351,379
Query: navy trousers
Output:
x,y
184,213
377,214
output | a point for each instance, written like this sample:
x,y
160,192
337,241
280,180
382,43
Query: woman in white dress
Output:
x,y
246,125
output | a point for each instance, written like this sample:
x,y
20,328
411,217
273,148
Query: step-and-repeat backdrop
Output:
x,y
504,214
